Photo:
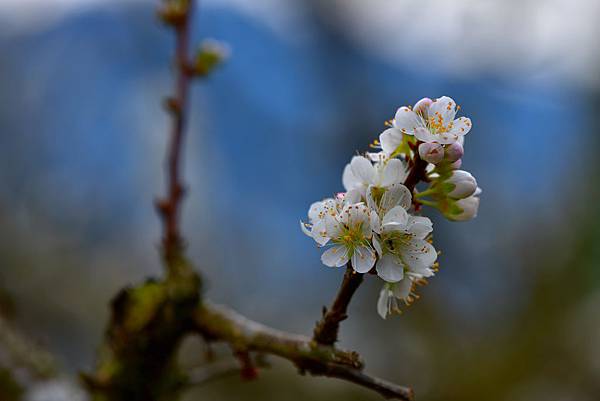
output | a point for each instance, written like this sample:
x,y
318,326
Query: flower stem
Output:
x,y
427,192
326,330
428,203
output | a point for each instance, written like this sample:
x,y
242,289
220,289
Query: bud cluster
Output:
x,y
373,226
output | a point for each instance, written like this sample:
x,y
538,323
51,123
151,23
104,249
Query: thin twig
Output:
x,y
170,206
326,330
384,388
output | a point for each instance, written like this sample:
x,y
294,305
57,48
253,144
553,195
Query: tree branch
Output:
x,y
218,370
169,207
326,330
417,172
219,323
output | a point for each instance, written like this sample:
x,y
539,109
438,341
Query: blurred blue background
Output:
x,y
512,313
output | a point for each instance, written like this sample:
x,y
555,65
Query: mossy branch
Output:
x,y
219,323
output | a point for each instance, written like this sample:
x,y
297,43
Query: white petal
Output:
x,y
362,169
393,173
419,255
389,269
363,259
424,135
383,301
396,195
422,106
402,289
319,232
461,126
390,139
305,228
349,180
377,245
376,157
397,217
333,227
445,107
369,196
375,222
336,256
407,121
367,225
352,196
446,138
419,226
355,214
315,211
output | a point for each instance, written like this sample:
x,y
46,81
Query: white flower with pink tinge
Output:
x,y
400,239
349,233
431,121
361,173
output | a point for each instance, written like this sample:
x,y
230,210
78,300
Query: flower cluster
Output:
x,y
374,225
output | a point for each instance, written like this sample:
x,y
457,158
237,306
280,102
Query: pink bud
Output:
x,y
422,106
454,152
431,152
456,165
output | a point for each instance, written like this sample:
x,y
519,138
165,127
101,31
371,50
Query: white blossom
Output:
x,y
390,294
318,211
347,228
400,241
369,226
361,173
429,121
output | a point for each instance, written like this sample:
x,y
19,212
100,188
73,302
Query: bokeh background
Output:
x,y
511,315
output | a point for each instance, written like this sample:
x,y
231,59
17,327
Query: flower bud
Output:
x,y
174,12
431,152
210,55
453,152
465,184
422,106
469,207
456,165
